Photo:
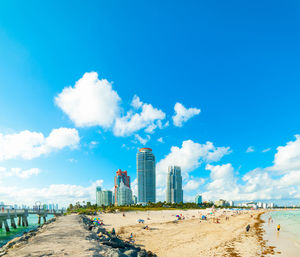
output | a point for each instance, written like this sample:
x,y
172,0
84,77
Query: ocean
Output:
x,y
287,241
32,222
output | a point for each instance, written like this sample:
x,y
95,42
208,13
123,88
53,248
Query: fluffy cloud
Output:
x,y
149,118
193,184
189,157
29,145
161,140
91,102
4,172
250,149
143,141
63,194
183,114
287,157
280,181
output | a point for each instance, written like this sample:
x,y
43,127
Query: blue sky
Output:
x,y
237,62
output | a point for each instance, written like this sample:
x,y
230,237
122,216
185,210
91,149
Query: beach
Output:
x,y
287,240
169,237
170,233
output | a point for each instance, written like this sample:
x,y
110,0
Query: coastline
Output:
x,y
167,236
285,244
18,241
191,237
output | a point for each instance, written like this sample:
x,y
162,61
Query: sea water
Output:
x,y
287,240
32,224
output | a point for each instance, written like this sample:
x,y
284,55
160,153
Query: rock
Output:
x,y
142,253
115,253
131,253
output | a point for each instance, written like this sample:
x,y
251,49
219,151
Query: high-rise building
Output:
x,y
174,193
98,195
124,195
103,197
134,199
198,199
145,167
121,176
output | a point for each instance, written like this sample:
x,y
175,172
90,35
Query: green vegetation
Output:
x,y
88,208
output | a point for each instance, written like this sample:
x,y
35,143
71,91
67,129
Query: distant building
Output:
x,y
124,195
259,204
174,193
121,176
103,197
145,165
221,203
134,199
198,199
231,203
264,205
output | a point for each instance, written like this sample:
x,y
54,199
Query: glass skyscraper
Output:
x,y
103,197
121,177
174,193
145,167
198,199
124,195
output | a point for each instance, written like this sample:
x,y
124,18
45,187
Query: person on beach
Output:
x,y
113,232
248,228
278,227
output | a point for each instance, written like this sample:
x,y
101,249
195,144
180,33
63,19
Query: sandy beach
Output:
x,y
222,234
168,237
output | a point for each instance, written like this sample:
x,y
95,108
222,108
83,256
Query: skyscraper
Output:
x,y
145,167
174,193
124,195
121,176
103,197
198,199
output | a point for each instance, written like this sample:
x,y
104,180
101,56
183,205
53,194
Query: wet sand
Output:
x,y
285,245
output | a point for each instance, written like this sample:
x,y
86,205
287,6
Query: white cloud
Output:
x,y
18,172
136,102
250,149
93,144
134,187
266,150
280,181
161,140
91,102
149,118
287,157
189,157
143,141
193,184
63,194
182,114
29,145
222,179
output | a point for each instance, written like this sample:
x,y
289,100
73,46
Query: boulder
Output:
x,y
131,253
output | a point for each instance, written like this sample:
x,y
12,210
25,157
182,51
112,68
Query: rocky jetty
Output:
x,y
115,247
19,241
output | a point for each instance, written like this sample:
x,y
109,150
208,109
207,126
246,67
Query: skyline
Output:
x,y
211,88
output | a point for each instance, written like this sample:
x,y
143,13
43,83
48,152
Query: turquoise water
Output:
x,y
32,222
289,222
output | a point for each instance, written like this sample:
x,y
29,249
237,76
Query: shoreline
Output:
x,y
286,245
18,241
188,237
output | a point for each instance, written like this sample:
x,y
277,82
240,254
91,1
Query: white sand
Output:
x,y
189,237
